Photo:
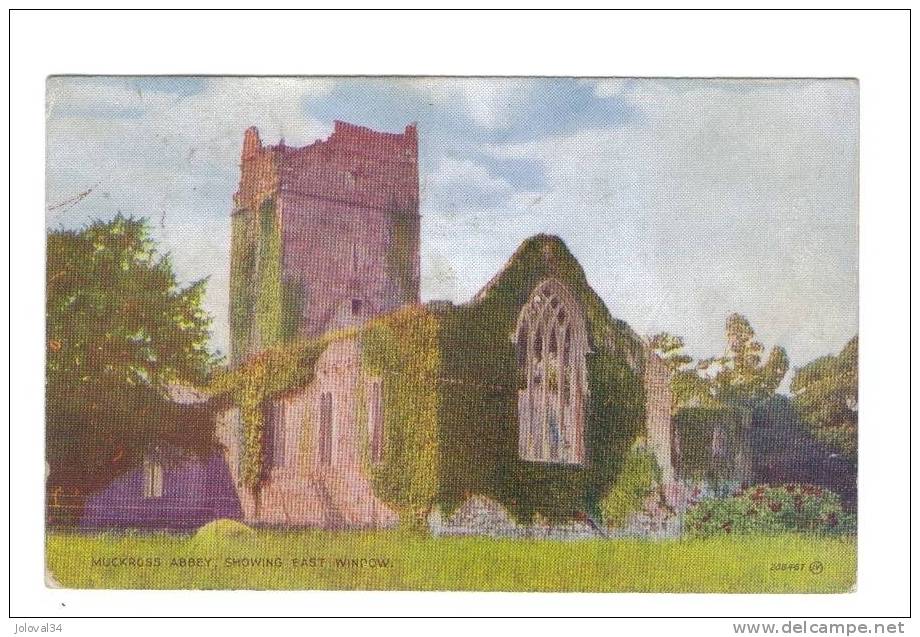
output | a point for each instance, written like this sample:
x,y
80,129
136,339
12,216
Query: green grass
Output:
x,y
723,564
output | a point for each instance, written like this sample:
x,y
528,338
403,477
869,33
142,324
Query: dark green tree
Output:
x,y
120,333
826,395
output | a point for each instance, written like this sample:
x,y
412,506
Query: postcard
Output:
x,y
452,333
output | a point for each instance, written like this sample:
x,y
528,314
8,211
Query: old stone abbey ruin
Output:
x,y
326,246
348,403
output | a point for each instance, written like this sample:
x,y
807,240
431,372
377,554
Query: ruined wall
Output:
x,y
196,490
658,413
301,485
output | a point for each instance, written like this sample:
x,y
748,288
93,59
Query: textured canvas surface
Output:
x,y
497,334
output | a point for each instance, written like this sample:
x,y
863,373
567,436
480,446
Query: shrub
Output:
x,y
638,480
768,509
223,528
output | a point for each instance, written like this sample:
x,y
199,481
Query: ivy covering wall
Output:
x,y
402,349
450,382
242,290
399,256
478,408
250,385
450,399
265,309
268,307
638,479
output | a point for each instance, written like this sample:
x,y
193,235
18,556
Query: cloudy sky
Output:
x,y
684,200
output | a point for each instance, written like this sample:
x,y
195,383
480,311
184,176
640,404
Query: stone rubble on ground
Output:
x,y
482,516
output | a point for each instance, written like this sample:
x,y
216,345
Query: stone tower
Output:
x,y
324,236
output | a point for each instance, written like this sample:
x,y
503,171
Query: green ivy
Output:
x,y
251,384
265,309
694,427
478,408
450,381
268,310
639,478
402,350
242,276
403,234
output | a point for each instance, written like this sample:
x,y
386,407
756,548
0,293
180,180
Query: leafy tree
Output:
x,y
826,395
670,349
741,375
120,332
687,386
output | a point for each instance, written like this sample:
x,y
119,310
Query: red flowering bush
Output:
x,y
768,509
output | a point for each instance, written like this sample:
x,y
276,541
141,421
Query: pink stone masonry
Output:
x,y
658,413
301,487
349,213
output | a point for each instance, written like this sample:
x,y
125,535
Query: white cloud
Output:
x,y
464,183
488,102
609,87
644,93
472,220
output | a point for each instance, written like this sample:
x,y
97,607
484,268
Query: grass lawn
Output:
x,y
396,561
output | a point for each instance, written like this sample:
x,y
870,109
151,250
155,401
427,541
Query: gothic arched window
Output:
x,y
552,344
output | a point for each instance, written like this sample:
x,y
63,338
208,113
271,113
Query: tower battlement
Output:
x,y
354,165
